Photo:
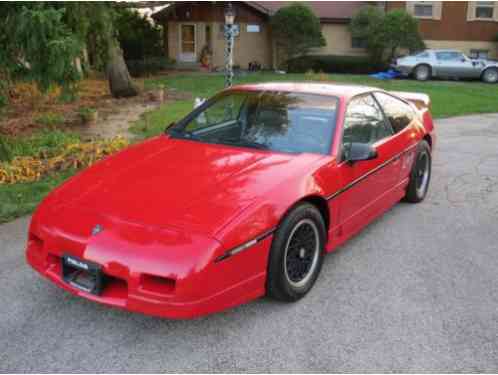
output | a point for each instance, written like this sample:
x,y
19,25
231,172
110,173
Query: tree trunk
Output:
x,y
120,82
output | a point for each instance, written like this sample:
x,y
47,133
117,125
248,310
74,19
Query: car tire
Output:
x,y
420,175
422,72
490,75
296,254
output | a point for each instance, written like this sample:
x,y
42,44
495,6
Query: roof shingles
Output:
x,y
325,10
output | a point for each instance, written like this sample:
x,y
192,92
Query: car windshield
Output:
x,y
277,121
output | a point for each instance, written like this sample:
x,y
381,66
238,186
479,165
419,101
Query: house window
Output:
x,y
479,54
357,42
253,28
484,10
423,9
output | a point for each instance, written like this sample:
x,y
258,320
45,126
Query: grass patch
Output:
x,y
45,142
154,122
21,199
449,98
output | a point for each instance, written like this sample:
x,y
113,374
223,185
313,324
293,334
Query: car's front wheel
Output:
x,y
296,253
422,72
490,75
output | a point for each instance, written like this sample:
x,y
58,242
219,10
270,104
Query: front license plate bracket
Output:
x,y
83,275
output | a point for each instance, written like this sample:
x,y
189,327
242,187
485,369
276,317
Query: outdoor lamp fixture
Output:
x,y
229,35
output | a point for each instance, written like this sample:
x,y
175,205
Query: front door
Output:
x,y
456,64
187,43
368,185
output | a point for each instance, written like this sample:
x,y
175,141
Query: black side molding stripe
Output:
x,y
361,178
245,245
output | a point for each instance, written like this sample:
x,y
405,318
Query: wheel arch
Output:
x,y
486,69
428,138
319,202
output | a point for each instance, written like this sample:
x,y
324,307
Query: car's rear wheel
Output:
x,y
420,175
296,254
490,75
422,72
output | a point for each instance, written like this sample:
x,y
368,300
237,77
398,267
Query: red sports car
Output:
x,y
241,198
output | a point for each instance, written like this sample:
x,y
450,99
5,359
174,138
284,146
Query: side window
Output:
x,y
364,122
399,114
449,56
224,111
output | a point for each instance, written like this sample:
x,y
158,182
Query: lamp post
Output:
x,y
229,35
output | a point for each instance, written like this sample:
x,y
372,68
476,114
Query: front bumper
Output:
x,y
404,70
196,285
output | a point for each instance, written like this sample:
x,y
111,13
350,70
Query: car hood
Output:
x,y
167,182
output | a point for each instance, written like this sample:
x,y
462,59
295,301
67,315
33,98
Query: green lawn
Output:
x,y
22,198
449,98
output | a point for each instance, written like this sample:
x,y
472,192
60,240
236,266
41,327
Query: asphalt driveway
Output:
x,y
416,291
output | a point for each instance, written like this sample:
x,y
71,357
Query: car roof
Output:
x,y
442,50
329,89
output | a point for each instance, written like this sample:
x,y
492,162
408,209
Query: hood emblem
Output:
x,y
97,229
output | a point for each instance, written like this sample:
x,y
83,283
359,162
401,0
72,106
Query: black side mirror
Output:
x,y
360,152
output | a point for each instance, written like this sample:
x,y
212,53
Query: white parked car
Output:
x,y
446,63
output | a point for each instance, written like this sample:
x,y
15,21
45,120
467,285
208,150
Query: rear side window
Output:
x,y
399,114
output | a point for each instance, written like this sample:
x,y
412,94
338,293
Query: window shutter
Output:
x,y
437,9
495,11
410,7
471,10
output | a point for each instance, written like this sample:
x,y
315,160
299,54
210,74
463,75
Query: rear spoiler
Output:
x,y
421,101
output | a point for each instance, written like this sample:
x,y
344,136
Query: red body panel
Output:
x,y
171,208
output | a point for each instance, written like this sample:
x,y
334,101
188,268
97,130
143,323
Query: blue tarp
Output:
x,y
390,74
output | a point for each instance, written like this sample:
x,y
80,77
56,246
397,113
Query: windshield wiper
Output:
x,y
243,143
182,134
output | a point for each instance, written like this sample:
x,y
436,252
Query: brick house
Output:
x,y
469,26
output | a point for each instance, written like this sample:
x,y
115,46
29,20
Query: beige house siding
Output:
x,y
173,38
248,46
338,41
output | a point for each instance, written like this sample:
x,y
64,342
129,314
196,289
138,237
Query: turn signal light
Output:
x,y
157,284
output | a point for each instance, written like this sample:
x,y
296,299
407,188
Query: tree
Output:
x,y
34,40
138,37
366,25
385,33
400,30
95,22
46,39
296,30
37,42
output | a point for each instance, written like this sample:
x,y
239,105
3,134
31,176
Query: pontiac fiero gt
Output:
x,y
241,198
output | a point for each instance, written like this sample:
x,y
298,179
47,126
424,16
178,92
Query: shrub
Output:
x,y
297,30
87,114
334,64
5,154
